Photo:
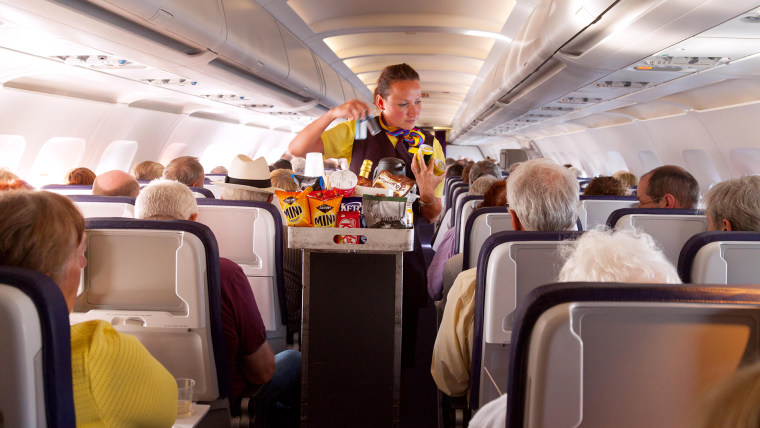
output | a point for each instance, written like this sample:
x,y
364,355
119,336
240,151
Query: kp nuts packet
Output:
x,y
295,206
324,205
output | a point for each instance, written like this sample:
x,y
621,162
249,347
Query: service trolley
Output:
x,y
351,326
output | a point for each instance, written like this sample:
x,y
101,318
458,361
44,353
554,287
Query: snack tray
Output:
x,y
378,240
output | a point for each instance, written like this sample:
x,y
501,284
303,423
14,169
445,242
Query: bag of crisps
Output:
x,y
295,206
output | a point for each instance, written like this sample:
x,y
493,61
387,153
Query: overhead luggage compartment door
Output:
x,y
334,95
304,78
254,40
200,22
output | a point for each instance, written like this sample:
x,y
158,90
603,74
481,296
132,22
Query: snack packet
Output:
x,y
324,206
303,182
295,206
399,184
384,212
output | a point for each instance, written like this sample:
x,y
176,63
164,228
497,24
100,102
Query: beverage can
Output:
x,y
439,167
427,153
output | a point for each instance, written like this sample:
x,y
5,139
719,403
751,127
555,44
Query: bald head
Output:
x,y
115,183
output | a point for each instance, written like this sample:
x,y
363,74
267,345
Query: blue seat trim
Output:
x,y
608,198
454,195
458,222
203,191
617,214
452,189
543,298
693,245
208,239
56,339
468,229
98,198
67,186
480,289
280,281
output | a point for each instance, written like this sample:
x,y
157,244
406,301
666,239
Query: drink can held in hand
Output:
x,y
427,153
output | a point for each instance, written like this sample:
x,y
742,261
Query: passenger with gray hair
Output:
x,y
249,357
164,199
668,186
600,255
299,164
734,205
542,196
187,170
483,168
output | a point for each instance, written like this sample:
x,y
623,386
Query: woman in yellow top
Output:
x,y
398,97
116,380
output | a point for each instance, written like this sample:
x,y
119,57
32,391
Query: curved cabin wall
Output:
x,y
101,123
716,132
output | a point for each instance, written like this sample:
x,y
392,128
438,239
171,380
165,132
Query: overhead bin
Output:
x,y
201,23
234,41
303,76
334,95
254,40
563,48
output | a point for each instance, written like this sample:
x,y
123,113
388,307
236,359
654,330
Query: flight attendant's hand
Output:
x,y
351,110
426,179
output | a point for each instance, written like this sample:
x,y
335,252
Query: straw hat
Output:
x,y
248,174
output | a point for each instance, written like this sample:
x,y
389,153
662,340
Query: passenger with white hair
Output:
x,y
616,256
250,359
734,205
599,256
542,196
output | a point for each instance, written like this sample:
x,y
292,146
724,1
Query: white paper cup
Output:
x,y
315,166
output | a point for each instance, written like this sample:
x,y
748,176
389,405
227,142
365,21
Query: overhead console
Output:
x,y
558,62
233,41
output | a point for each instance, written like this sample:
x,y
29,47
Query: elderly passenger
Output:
x,y
543,196
115,183
668,186
186,170
251,360
599,256
116,380
734,205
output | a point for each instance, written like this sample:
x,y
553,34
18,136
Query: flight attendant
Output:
x,y
398,97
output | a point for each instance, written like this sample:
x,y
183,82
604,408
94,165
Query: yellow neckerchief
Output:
x,y
413,137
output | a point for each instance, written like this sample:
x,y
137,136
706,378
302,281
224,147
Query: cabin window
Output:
x,y
702,168
172,152
616,162
746,160
216,155
11,149
649,160
118,155
56,157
